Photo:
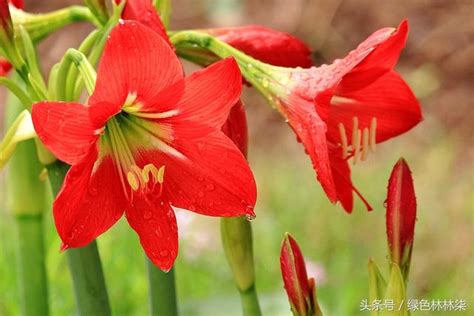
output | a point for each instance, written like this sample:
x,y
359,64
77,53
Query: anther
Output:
x,y
365,144
133,180
161,174
373,134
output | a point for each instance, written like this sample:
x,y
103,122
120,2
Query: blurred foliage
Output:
x,y
438,63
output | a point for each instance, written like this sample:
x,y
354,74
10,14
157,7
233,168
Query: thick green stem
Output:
x,y
84,263
162,291
249,299
31,265
23,176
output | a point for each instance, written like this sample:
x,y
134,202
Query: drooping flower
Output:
x,y
301,291
341,111
146,140
266,44
401,215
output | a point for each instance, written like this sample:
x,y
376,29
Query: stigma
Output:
x,y
363,140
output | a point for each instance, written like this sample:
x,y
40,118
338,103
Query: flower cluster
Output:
x,y
148,139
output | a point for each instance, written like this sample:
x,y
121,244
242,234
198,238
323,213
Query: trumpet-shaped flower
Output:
x,y
341,111
146,140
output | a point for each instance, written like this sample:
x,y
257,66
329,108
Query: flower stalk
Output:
x,y
23,176
162,291
84,263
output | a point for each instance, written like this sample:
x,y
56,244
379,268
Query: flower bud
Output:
x,y
401,216
301,291
6,25
237,239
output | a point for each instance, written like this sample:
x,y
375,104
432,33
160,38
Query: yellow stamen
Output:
x,y
356,137
373,134
365,144
342,133
133,180
161,175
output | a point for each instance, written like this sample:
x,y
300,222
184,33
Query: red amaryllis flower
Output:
x,y
265,44
342,110
301,291
401,215
146,140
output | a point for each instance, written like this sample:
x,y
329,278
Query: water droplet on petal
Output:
x,y
147,215
164,253
159,232
201,194
210,186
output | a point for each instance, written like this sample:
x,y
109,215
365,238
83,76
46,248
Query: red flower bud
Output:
x,y
236,127
301,291
401,215
6,25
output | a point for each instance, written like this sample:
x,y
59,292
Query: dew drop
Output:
x,y
147,215
210,186
201,194
93,191
158,232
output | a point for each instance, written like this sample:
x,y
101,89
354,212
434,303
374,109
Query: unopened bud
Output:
x,y
401,216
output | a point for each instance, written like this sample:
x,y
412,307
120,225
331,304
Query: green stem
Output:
x,y
162,291
31,259
84,263
23,176
249,299
17,91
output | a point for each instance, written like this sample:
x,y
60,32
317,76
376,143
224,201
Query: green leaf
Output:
x,y
395,292
377,285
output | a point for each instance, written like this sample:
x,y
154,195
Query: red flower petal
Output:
x,y
65,129
236,127
389,99
90,201
294,274
386,54
311,131
268,45
210,176
342,180
20,4
136,60
401,212
208,95
144,12
154,221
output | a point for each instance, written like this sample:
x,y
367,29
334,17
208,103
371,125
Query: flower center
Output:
x,y
143,180
363,140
